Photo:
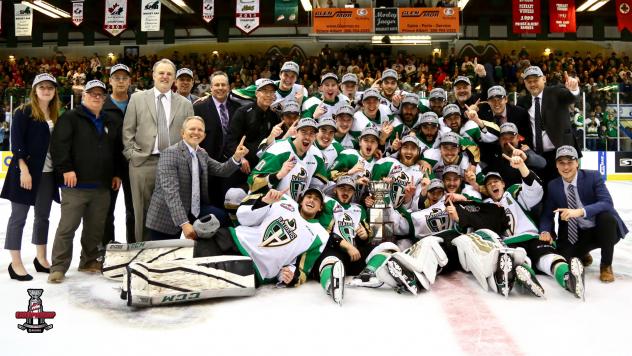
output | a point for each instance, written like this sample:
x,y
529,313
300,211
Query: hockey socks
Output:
x,y
570,275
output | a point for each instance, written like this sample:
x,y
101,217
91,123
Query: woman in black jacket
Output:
x,y
30,179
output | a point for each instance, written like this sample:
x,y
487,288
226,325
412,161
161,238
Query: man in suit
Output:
x,y
549,114
115,105
184,84
152,123
587,218
181,194
499,111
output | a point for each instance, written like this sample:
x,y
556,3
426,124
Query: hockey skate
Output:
x,y
367,278
574,279
405,279
336,287
526,278
505,274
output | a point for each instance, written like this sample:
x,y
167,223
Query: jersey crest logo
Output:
x,y
400,181
511,226
437,220
297,183
345,226
280,232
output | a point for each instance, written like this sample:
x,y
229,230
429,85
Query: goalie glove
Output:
x,y
425,258
478,254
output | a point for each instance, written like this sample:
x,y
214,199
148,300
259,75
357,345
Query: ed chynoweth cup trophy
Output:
x,y
380,221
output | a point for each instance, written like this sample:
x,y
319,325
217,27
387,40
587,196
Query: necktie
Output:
x,y
195,186
572,223
538,126
163,128
500,119
223,117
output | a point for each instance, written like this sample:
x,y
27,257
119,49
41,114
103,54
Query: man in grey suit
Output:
x,y
152,123
181,193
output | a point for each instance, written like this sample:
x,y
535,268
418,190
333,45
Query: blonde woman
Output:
x,y
30,180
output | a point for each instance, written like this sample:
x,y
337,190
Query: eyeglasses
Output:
x,y
119,79
95,95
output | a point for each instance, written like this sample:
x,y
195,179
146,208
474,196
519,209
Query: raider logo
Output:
x,y
345,227
511,226
297,183
35,316
280,232
437,220
400,181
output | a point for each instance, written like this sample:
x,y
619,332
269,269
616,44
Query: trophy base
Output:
x,y
381,232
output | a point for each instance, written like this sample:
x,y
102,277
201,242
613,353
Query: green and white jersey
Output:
x,y
331,107
330,153
276,235
281,95
472,131
433,156
422,222
361,121
402,175
309,170
348,141
517,200
349,158
342,219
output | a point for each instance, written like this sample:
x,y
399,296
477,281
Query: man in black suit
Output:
x,y
549,115
217,111
499,111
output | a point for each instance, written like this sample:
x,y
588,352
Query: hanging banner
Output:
x,y
386,20
429,20
286,12
330,20
247,15
562,16
77,12
23,20
115,16
150,15
526,16
0,16
624,14
208,10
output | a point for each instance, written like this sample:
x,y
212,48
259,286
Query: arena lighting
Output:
x,y
39,9
462,4
307,5
181,4
51,8
598,5
586,5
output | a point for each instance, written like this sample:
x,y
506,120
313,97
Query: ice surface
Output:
x,y
455,318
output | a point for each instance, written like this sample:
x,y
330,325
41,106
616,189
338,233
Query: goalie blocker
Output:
x,y
186,280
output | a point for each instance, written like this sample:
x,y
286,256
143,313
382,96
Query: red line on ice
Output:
x,y
477,330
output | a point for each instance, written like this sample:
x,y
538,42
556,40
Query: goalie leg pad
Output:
x,y
478,255
180,281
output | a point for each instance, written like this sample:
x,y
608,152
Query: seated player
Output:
x,y
517,200
293,163
327,101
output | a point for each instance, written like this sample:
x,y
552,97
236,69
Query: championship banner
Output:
x,y
330,20
208,10
562,16
286,12
77,12
247,15
526,16
386,20
150,15
23,20
429,20
115,16
624,14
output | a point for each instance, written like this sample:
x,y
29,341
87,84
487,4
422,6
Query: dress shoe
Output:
x,y
587,260
17,277
39,267
91,267
56,277
605,274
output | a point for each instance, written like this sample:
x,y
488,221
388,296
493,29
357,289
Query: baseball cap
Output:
x,y
566,151
451,109
345,110
450,138
349,77
327,121
508,127
429,117
44,77
346,180
371,93
290,107
370,130
184,71
438,93
314,190
390,73
452,169
533,70
265,82
306,122
496,90
328,76
435,184
290,66
95,83
462,79
492,174
118,67
411,99
411,139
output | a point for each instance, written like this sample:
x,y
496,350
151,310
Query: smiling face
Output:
x,y
164,76
409,114
567,168
219,87
389,85
344,193
184,84
343,124
94,99
535,84
495,188
311,205
45,92
304,139
265,96
370,105
325,136
287,80
449,153
329,89
452,182
429,131
120,82
193,132
368,146
462,91
453,121
349,89
409,154
497,104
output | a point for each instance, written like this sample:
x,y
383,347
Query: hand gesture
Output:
x,y
241,151
277,130
451,210
409,192
245,166
361,232
425,167
369,201
571,83
320,111
567,214
357,168
515,161
273,195
288,165
298,96
362,181
291,132
385,132
26,182
479,69
396,99
517,152
397,143
470,175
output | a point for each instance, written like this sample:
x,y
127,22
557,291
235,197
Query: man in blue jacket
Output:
x,y
587,218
